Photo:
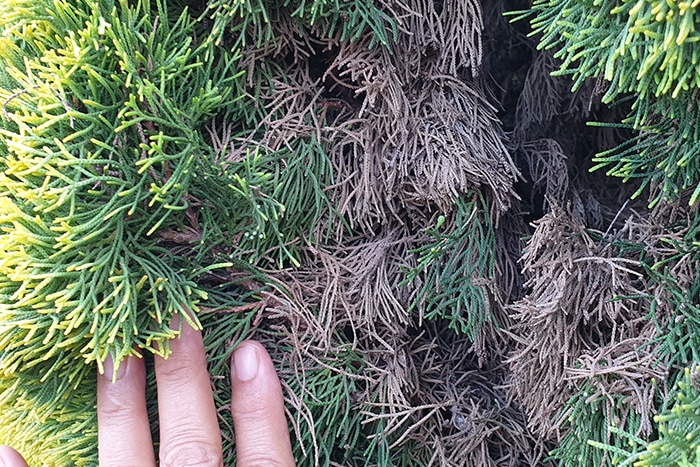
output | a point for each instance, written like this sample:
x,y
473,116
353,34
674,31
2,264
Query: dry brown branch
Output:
x,y
573,320
541,97
447,36
547,99
423,150
476,426
547,169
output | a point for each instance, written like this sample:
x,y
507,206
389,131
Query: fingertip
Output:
x,y
11,458
113,372
189,428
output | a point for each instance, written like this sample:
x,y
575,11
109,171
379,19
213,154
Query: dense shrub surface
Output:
x,y
404,200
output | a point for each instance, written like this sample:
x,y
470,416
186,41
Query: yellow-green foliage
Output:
x,y
646,49
48,429
100,144
678,441
643,46
679,428
99,155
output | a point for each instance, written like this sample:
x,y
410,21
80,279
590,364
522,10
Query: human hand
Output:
x,y
189,431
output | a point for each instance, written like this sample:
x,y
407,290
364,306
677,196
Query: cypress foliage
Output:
x,y
638,57
459,269
646,50
350,182
161,156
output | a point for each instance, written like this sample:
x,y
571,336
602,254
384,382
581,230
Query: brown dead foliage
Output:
x,y
405,132
585,318
435,397
408,129
476,424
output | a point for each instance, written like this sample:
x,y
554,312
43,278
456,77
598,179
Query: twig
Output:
x,y
624,205
9,99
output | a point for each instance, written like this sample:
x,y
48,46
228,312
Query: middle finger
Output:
x,y
189,428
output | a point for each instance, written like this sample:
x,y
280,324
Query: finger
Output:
x,y
123,432
11,458
189,428
257,405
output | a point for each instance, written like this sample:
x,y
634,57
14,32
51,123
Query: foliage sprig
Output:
x,y
457,269
648,49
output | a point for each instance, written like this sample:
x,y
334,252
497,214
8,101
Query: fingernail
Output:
x,y
245,362
109,369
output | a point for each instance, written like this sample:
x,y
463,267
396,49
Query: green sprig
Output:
x,y
456,269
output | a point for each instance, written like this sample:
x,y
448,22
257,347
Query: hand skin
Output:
x,y
189,431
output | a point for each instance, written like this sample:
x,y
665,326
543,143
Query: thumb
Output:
x,y
10,458
257,405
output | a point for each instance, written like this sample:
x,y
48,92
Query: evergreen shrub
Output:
x,y
401,199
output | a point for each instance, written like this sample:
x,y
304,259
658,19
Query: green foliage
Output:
x,y
665,156
457,269
679,339
592,421
251,22
331,425
647,48
665,153
269,202
253,215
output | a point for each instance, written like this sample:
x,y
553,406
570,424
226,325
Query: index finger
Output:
x,y
257,406
189,428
